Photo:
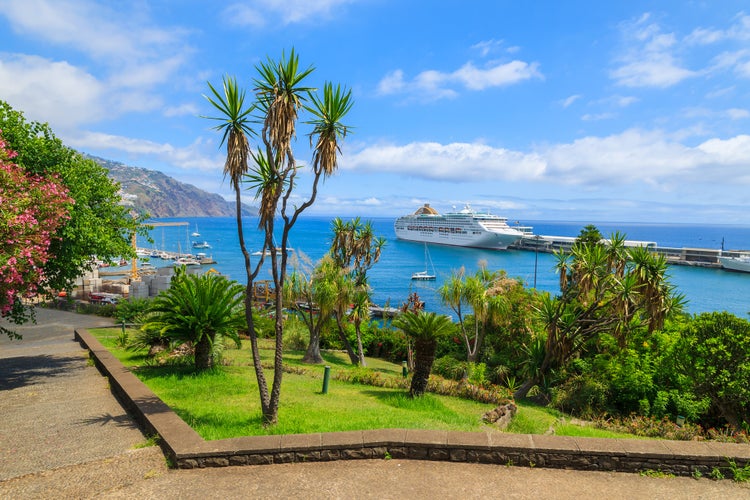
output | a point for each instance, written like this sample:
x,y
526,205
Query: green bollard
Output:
x,y
404,370
326,378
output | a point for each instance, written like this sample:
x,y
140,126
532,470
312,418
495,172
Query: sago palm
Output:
x,y
199,309
425,328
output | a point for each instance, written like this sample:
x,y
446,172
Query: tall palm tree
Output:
x,y
425,328
199,309
360,312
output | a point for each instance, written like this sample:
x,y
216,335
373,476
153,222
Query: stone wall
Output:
x,y
186,449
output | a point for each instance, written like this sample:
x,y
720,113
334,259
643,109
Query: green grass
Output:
x,y
224,403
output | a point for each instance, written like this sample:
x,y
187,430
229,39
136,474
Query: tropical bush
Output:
x,y
199,310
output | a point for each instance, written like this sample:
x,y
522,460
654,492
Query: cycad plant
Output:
x,y
425,329
199,309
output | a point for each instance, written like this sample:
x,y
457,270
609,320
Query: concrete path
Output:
x,y
63,435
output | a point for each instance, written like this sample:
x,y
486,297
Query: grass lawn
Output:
x,y
224,403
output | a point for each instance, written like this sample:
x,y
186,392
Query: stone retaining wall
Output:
x,y
186,449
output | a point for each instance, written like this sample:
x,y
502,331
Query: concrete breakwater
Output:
x,y
700,257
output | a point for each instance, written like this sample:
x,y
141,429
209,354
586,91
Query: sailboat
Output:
x,y
195,234
425,275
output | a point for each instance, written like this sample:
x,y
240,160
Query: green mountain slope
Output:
x,y
159,195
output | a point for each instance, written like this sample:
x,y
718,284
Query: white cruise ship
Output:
x,y
465,228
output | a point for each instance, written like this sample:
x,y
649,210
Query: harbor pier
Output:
x,y
699,257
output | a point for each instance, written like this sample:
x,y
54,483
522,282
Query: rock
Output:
x,y
501,416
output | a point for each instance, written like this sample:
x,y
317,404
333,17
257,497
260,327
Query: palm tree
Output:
x,y
354,250
280,96
199,309
425,328
360,312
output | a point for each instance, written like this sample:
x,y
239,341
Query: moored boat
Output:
x,y
740,263
464,228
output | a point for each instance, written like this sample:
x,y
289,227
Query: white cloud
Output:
x,y
432,85
648,59
487,47
392,83
49,91
737,113
187,109
191,157
569,100
595,117
125,58
97,29
461,162
264,12
634,157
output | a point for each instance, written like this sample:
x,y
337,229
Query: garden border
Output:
x,y
185,449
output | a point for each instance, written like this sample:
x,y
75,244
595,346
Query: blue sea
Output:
x,y
705,289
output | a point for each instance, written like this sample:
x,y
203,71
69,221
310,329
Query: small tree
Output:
x,y
485,296
281,95
714,354
32,209
98,224
425,329
201,310
604,289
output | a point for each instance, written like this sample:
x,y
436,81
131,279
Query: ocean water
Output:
x,y
705,289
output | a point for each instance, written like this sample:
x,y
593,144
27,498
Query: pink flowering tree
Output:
x,y
32,209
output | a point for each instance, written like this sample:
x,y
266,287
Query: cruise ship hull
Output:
x,y
465,229
495,241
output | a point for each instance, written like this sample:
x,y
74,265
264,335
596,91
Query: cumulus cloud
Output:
x,y
97,29
126,59
632,157
432,85
446,162
51,91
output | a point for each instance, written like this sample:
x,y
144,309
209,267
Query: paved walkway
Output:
x,y
63,435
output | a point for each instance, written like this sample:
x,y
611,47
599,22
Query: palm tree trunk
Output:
x,y
344,340
360,349
312,355
423,358
203,358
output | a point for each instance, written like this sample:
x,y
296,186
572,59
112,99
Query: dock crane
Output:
x,y
134,263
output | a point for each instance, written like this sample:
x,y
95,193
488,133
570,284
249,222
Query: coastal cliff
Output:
x,y
159,195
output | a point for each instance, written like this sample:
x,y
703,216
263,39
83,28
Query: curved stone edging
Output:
x,y
186,449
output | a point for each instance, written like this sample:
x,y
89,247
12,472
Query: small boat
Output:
x,y
384,312
204,259
195,234
187,261
267,252
740,263
425,275
201,244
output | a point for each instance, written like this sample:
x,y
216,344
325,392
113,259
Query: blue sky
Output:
x,y
546,110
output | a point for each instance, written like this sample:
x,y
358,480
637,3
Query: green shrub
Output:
x,y
581,395
478,374
449,367
387,343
